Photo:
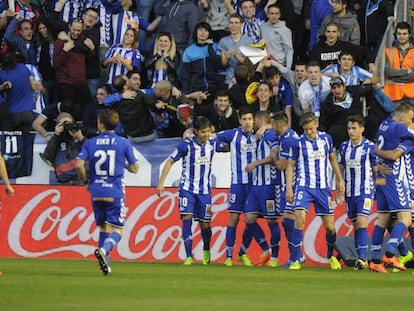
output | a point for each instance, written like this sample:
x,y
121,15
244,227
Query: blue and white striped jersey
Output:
x,y
390,136
242,152
251,29
197,159
133,55
357,162
355,77
265,174
286,143
312,157
126,20
71,9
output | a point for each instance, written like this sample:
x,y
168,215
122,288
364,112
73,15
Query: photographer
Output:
x,y
63,148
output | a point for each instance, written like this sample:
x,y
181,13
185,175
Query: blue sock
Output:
x,y
356,239
259,236
330,241
187,237
395,237
230,238
362,243
206,235
296,243
274,238
402,248
111,241
411,230
376,244
288,225
246,240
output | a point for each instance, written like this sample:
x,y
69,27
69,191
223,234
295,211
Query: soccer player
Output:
x,y
194,197
287,138
243,144
261,199
107,155
393,193
358,162
310,156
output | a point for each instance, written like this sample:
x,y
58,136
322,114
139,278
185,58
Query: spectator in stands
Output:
x,y
18,83
23,41
344,101
281,89
277,36
347,21
163,63
346,68
327,51
69,9
314,90
319,9
375,16
123,57
230,46
237,91
399,66
45,39
167,120
180,20
70,68
201,61
265,101
63,148
217,17
27,10
251,24
222,115
135,114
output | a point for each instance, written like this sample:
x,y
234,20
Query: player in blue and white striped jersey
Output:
x,y
393,192
312,155
358,162
243,144
261,199
196,153
287,139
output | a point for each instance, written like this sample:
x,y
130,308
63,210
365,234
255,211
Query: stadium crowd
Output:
x,y
161,65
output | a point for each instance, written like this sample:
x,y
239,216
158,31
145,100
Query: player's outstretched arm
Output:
x,y
165,170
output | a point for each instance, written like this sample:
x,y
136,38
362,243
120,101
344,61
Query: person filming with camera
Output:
x,y
63,148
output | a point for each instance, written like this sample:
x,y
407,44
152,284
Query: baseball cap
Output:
x,y
337,80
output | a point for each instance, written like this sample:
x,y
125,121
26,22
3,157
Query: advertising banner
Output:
x,y
57,222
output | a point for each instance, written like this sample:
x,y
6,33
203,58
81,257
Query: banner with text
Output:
x,y
58,222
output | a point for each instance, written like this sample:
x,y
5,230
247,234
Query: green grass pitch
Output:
x,y
40,284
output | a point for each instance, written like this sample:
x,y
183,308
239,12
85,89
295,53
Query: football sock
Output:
x,y
395,237
402,248
246,240
102,237
258,235
330,241
111,241
288,225
187,237
376,244
362,242
296,243
206,235
274,238
230,238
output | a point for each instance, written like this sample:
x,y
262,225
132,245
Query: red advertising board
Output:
x,y
58,222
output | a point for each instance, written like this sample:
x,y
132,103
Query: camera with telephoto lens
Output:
x,y
68,126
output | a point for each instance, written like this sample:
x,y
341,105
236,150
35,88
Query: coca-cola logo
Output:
x,y
59,222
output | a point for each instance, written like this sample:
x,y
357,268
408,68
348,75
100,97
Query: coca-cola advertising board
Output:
x,y
58,222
